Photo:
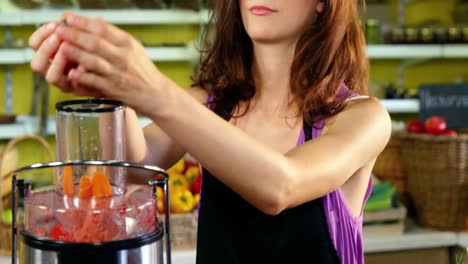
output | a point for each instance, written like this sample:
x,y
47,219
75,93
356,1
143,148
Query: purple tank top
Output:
x,y
345,229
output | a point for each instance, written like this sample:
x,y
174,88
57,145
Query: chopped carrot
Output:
x,y
85,190
68,181
100,185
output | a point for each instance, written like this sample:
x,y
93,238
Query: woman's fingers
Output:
x,y
88,60
41,59
57,72
41,34
83,81
88,42
99,27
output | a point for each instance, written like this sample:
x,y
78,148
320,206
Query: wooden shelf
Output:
x,y
27,124
401,105
30,125
417,51
122,17
183,53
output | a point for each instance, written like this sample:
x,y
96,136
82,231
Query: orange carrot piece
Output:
x,y
85,190
100,185
68,181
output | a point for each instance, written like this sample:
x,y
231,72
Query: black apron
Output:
x,y
231,231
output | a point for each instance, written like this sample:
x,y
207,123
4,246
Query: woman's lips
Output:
x,y
261,10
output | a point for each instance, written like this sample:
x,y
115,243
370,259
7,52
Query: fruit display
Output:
x,y
434,125
184,187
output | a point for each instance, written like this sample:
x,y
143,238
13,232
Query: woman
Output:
x,y
276,118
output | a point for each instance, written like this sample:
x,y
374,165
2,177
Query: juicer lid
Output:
x,y
89,106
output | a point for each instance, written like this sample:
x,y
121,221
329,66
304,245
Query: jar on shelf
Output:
x,y
92,4
120,4
28,4
465,35
411,35
150,4
398,35
373,31
61,4
440,35
184,4
427,35
454,35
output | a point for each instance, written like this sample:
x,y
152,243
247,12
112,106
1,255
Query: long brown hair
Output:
x,y
331,52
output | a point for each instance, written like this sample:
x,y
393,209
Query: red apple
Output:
x,y
435,125
449,132
415,126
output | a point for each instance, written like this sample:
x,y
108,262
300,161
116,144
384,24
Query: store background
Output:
x,y
172,36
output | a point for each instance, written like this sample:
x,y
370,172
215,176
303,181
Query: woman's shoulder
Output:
x,y
363,111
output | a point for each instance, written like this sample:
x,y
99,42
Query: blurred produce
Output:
x,y
184,187
384,196
434,125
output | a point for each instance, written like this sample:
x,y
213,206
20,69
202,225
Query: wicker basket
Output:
x,y
389,165
437,168
183,231
5,188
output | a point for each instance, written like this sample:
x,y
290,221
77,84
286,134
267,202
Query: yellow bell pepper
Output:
x,y
160,205
178,182
178,167
181,202
191,173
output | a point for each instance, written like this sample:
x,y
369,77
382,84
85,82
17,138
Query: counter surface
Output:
x,y
414,238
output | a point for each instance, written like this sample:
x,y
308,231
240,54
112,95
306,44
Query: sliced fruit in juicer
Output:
x,y
85,190
68,181
100,185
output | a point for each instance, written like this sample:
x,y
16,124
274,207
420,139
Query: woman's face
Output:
x,y
272,21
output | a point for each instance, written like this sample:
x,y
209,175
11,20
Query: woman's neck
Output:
x,y
272,74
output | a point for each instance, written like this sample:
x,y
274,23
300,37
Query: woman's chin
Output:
x,y
266,39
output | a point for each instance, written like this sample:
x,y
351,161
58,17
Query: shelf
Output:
x,y
30,125
401,105
455,51
127,17
407,241
417,51
13,56
27,124
187,53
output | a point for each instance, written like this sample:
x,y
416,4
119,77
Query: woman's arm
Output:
x,y
266,178
151,145
117,66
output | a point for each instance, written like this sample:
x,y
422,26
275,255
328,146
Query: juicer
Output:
x,y
90,214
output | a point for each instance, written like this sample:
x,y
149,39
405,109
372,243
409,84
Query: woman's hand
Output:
x,y
111,63
45,60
